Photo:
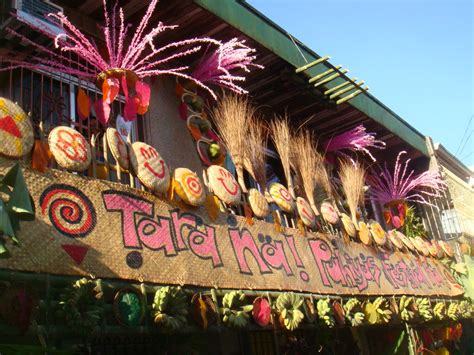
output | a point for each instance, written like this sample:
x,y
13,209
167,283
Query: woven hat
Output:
x,y
258,203
305,212
69,148
329,213
150,167
348,225
281,196
16,131
406,241
378,233
446,248
395,239
224,185
118,147
364,234
189,187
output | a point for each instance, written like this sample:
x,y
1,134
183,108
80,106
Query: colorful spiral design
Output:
x,y
193,184
70,212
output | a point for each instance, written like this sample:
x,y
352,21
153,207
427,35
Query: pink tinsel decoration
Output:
x,y
387,186
139,55
217,66
357,139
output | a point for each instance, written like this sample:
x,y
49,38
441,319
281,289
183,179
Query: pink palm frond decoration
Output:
x,y
217,66
400,185
357,139
134,55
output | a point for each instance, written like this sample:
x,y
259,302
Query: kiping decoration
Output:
x,y
223,184
150,167
393,189
255,164
130,59
16,131
118,147
69,148
281,196
188,187
16,205
349,227
329,213
305,212
378,233
356,140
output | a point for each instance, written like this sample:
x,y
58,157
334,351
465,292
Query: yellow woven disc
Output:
x,y
189,187
118,148
348,225
281,196
394,239
69,148
364,234
16,130
378,233
150,168
224,185
258,203
406,241
305,212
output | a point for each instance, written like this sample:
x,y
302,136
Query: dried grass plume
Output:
x,y
352,176
256,142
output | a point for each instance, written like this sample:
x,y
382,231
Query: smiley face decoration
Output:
x,y
118,148
224,185
305,212
150,167
16,130
282,197
69,148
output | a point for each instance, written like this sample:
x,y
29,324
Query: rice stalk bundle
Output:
x,y
231,117
255,158
352,176
281,137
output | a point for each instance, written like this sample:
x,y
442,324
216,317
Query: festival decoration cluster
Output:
x,y
131,59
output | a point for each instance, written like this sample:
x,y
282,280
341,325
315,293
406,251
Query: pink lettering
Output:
x,y
275,256
204,245
156,235
242,242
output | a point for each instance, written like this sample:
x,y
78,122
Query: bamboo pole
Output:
x,y
312,64
319,76
353,86
340,86
351,96
330,78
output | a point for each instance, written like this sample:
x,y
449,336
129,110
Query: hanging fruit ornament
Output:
x,y
378,233
224,185
305,212
364,233
377,312
329,213
348,225
150,167
189,187
118,147
338,312
16,130
235,313
453,311
288,305
203,311
439,310
423,307
129,307
406,308
170,308
69,148
325,312
281,196
353,312
261,311
258,203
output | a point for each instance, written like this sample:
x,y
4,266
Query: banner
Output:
x,y
94,227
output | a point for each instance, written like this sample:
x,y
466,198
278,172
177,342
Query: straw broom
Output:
x,y
352,176
305,159
281,137
231,117
322,175
255,158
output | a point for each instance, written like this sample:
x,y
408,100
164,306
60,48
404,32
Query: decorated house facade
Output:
x,y
186,177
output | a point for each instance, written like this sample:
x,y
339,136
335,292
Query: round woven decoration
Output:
x,y
364,234
224,185
378,233
348,225
118,148
16,131
395,239
433,248
406,241
282,197
189,187
329,213
150,168
258,203
69,148
439,250
446,248
421,246
129,307
305,212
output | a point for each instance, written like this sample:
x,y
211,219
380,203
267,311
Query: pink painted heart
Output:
x,y
8,125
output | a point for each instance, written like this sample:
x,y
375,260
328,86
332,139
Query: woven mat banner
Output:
x,y
85,226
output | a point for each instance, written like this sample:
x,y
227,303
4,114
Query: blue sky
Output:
x,y
417,56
